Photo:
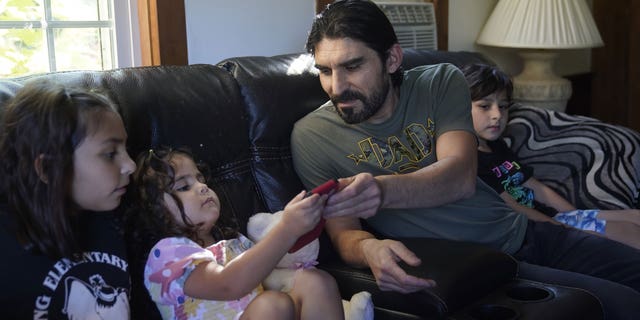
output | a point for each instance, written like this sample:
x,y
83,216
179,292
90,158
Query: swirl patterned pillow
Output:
x,y
591,163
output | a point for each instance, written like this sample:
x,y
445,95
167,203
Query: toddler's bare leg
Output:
x,y
316,295
270,305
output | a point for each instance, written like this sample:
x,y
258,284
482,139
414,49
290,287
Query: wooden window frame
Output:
x,y
163,32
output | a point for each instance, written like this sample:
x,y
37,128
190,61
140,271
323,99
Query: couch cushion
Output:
x,y
281,89
197,106
277,91
591,163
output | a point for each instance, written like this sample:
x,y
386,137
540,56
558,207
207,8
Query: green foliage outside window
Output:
x,y
79,35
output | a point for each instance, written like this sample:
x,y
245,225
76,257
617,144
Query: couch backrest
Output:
x,y
236,116
588,162
198,106
279,90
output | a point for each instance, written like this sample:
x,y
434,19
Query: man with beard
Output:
x,y
405,147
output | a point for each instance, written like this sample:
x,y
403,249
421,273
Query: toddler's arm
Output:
x,y
244,273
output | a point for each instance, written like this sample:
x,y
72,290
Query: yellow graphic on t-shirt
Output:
x,y
404,151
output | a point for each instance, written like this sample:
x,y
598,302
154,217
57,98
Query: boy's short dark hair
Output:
x,y
484,79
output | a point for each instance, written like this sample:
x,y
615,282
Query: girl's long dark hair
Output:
x,y
44,123
148,219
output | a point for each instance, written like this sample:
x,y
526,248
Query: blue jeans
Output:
x,y
565,256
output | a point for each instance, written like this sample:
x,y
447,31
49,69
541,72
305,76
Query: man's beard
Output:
x,y
370,105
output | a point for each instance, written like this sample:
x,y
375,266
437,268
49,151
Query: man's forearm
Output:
x,y
452,177
441,183
347,236
351,247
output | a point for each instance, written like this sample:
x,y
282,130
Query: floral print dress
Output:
x,y
170,263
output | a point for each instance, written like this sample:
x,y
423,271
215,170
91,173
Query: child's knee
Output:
x,y
281,303
315,280
271,305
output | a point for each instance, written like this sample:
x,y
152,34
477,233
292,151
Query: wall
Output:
x,y
219,29
127,33
466,18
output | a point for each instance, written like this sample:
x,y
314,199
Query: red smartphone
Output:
x,y
315,232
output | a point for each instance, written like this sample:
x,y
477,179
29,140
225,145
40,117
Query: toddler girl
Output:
x,y
64,167
491,92
199,268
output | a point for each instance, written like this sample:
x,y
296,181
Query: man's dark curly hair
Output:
x,y
360,20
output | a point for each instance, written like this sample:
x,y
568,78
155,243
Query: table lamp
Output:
x,y
539,28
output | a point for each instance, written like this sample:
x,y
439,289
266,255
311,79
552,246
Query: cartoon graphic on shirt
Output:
x,y
94,300
405,151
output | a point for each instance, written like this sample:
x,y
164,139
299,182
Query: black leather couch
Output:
x,y
237,117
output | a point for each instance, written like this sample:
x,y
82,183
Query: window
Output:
x,y
57,35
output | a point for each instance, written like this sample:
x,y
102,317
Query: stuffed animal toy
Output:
x,y
360,307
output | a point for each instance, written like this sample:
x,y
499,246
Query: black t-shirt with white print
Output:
x,y
96,286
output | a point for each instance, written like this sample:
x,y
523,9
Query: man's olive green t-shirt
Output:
x,y
433,99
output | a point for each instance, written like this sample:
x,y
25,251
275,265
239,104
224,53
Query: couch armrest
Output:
x,y
465,272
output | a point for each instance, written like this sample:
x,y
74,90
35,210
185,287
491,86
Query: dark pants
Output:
x,y
559,255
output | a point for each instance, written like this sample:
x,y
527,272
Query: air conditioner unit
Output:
x,y
414,23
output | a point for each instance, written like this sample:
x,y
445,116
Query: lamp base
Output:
x,y
537,85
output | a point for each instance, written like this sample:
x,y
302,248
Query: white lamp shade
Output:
x,y
541,24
